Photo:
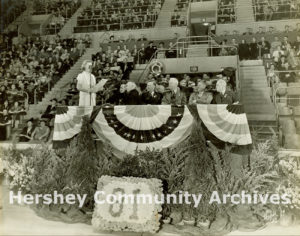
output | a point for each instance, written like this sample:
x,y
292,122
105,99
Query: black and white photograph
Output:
x,y
150,117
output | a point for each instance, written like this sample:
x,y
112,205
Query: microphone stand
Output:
x,y
90,89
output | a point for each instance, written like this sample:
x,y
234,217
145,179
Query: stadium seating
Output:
x,y
104,15
266,10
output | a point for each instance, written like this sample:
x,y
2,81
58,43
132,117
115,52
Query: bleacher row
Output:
x,y
118,15
267,10
282,65
28,71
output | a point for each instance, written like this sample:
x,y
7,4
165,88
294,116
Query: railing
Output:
x,y
268,15
35,92
182,53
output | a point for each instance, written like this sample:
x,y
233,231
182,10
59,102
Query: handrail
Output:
x,y
154,55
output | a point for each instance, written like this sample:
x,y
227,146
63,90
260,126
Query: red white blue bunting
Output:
x,y
131,128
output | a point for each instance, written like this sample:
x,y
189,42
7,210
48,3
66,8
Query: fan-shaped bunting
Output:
x,y
227,122
68,121
130,128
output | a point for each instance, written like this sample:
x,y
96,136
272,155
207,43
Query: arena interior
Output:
x,y
139,45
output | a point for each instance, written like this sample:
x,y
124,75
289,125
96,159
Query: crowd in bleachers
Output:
x,y
106,15
61,11
266,10
30,68
226,11
178,17
263,30
10,10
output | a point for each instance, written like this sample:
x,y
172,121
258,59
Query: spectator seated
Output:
x,y
61,11
226,11
267,10
106,15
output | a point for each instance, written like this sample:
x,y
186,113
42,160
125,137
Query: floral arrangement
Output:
x,y
193,166
146,216
289,171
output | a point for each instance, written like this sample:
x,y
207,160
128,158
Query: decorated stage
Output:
x,y
199,151
132,128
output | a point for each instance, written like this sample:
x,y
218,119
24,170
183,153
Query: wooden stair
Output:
x,y
165,14
244,11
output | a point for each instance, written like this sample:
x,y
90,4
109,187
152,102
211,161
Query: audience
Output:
x,y
105,15
61,11
266,10
27,132
226,11
41,132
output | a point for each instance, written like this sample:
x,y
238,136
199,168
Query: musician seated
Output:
x,y
173,95
201,96
26,134
150,96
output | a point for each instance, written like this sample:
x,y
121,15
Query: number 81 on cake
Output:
x,y
127,204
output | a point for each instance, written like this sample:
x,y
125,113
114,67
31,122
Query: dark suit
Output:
x,y
132,98
48,111
153,99
27,132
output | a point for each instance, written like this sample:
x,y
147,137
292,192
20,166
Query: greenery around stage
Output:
x,y
194,166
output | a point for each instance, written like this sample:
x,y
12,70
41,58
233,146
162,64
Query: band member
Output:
x,y
85,84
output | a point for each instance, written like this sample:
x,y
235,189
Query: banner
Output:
x,y
131,128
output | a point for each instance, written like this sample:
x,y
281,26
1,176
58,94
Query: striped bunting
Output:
x,y
68,121
131,128
227,122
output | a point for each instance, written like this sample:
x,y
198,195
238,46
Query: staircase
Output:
x,y
68,28
244,11
61,87
165,14
20,19
255,95
135,75
72,22
199,50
